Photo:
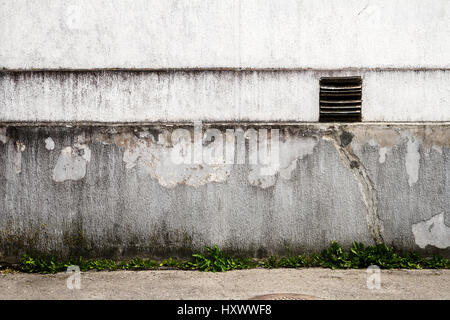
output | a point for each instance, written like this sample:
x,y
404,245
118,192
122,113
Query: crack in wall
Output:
x,y
367,187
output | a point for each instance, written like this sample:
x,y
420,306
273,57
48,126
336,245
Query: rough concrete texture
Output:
x,y
116,191
243,284
144,96
330,34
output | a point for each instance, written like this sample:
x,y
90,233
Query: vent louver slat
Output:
x,y
340,99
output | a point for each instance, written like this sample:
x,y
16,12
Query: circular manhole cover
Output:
x,y
285,296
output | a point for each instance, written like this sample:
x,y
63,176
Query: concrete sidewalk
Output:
x,y
243,284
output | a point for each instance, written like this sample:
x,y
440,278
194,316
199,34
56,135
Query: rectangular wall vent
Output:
x,y
340,99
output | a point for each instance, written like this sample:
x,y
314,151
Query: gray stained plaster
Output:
x,y
115,191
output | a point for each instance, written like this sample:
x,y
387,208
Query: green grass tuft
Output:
x,y
334,257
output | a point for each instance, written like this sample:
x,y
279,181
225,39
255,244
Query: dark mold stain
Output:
x,y
354,164
346,138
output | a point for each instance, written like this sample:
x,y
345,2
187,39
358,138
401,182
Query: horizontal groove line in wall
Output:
x,y
215,123
188,69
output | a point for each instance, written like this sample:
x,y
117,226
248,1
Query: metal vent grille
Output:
x,y
340,99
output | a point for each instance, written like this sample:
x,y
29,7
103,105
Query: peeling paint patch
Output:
x,y
49,144
3,137
383,140
84,151
433,136
155,158
261,181
382,152
380,135
20,147
292,149
437,149
412,160
17,161
71,164
432,232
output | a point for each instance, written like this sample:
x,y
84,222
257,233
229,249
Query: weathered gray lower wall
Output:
x,y
112,192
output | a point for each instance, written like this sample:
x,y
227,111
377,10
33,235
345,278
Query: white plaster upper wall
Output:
x,y
127,96
85,34
406,96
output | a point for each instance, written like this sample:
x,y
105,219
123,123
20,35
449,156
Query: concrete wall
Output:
x,y
113,191
186,96
194,53
92,90
330,34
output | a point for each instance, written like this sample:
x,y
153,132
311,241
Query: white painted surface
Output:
x,y
412,160
71,164
112,97
432,232
49,144
406,96
214,96
3,137
39,34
